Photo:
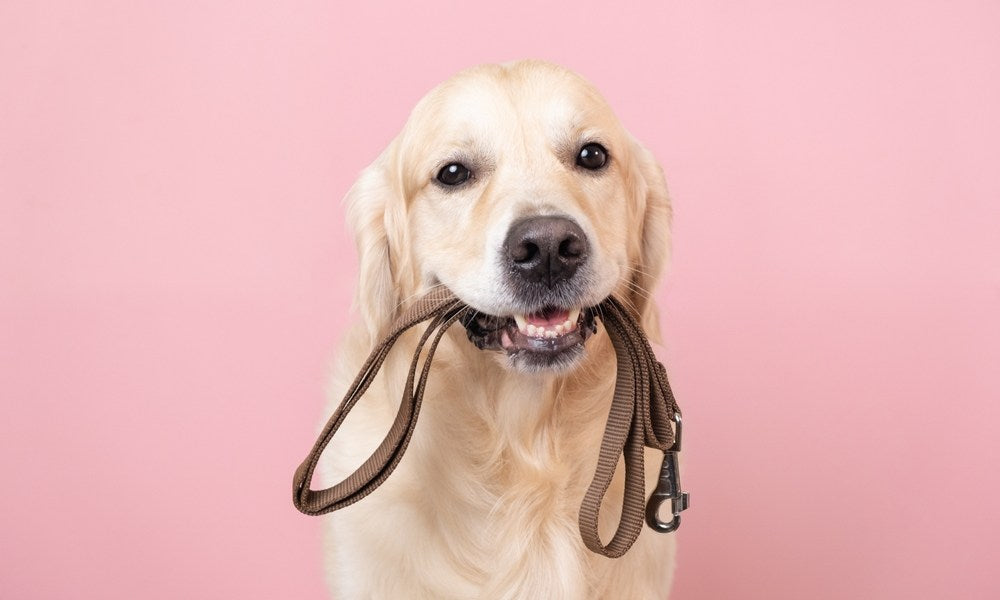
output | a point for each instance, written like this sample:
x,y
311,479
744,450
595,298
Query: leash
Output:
x,y
643,413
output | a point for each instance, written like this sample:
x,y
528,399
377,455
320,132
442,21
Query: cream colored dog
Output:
x,y
517,188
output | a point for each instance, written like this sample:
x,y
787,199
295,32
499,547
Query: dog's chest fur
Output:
x,y
484,504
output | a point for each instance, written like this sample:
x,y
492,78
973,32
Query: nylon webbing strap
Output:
x,y
641,413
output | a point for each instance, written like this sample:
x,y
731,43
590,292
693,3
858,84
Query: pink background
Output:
x,y
175,273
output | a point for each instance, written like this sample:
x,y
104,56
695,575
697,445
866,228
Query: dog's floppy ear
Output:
x,y
372,205
655,215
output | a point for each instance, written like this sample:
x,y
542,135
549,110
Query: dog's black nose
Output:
x,y
546,250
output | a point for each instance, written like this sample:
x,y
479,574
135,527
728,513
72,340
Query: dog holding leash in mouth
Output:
x,y
516,188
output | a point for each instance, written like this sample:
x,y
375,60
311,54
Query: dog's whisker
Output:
x,y
638,290
640,271
635,286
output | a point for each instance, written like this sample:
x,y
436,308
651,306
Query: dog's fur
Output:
x,y
485,502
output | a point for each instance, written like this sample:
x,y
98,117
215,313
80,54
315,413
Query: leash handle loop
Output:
x,y
442,309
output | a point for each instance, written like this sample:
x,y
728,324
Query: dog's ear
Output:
x,y
654,213
372,206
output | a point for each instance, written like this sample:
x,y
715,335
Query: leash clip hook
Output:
x,y
668,487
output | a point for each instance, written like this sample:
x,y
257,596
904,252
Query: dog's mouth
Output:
x,y
549,338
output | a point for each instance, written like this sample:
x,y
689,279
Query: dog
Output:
x,y
515,187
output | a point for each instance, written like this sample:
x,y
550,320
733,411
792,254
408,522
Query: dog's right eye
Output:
x,y
454,174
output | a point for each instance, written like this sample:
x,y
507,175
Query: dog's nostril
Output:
x,y
524,252
571,247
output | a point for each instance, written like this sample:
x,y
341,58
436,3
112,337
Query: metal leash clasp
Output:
x,y
668,487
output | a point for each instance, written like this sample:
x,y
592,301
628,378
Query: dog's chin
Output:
x,y
549,340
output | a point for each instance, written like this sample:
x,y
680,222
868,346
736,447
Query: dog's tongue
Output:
x,y
547,317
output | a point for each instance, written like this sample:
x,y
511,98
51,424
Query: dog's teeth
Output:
x,y
551,331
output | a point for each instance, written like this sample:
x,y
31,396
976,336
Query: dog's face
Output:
x,y
516,187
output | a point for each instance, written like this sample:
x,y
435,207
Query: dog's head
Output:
x,y
517,188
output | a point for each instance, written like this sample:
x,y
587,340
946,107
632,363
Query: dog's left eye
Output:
x,y
592,156
453,174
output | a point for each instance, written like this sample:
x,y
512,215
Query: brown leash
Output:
x,y
642,411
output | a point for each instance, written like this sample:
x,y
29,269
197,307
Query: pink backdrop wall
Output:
x,y
175,272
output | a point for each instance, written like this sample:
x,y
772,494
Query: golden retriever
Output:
x,y
516,187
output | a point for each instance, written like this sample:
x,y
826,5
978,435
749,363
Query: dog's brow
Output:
x,y
474,155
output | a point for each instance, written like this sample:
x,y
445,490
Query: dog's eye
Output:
x,y
592,156
454,174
